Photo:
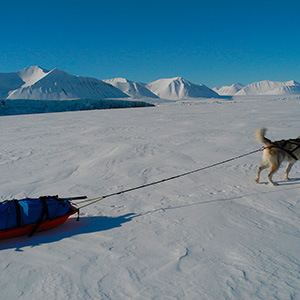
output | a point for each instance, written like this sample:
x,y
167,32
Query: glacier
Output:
x,y
25,106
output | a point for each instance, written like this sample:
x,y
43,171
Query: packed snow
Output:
x,y
215,234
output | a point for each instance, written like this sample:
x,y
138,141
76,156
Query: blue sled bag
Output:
x,y
17,213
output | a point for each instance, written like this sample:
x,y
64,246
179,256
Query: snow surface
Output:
x,y
229,90
179,88
211,235
131,88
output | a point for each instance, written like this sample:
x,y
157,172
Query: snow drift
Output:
x,y
131,88
179,88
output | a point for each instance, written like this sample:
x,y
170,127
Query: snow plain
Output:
x,y
211,235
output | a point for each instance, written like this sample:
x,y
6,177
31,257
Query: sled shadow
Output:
x,y
90,224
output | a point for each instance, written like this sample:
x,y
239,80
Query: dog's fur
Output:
x,y
275,153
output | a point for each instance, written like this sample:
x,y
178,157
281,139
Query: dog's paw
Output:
x,y
256,180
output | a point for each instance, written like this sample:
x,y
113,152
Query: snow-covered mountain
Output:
x,y
31,75
229,90
131,88
267,87
40,84
37,83
179,88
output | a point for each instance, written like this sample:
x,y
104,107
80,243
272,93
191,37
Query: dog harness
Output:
x,y
290,152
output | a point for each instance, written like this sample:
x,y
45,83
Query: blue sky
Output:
x,y
211,42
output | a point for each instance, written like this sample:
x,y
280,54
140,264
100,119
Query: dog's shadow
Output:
x,y
292,181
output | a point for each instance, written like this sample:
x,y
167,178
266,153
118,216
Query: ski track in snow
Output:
x,y
210,235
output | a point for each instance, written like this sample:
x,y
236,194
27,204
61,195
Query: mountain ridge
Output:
x,y
37,83
41,84
178,88
269,87
229,90
131,88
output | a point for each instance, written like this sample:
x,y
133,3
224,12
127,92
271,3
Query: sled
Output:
x,y
27,216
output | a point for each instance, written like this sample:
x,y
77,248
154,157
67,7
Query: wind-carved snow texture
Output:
x,y
215,234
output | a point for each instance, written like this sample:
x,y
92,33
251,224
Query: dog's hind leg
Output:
x,y
287,170
273,169
263,166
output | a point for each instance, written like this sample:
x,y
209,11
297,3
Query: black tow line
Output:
x,y
94,200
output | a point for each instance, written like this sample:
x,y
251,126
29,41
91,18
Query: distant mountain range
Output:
x,y
37,83
229,90
132,89
179,88
40,84
167,88
265,87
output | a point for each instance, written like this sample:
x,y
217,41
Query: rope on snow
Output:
x,y
97,199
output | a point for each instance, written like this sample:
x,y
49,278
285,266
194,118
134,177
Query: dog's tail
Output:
x,y
260,136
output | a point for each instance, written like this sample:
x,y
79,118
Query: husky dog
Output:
x,y
275,153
